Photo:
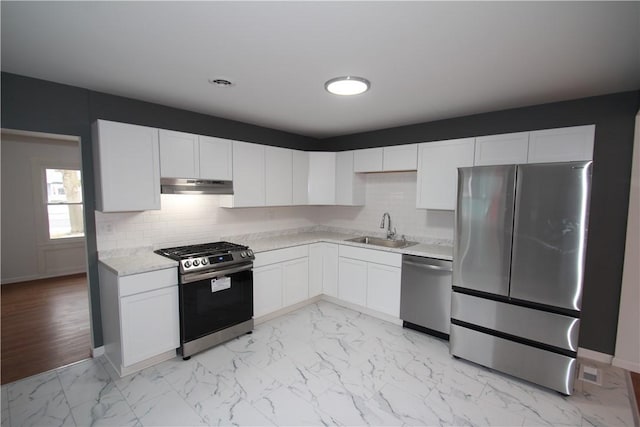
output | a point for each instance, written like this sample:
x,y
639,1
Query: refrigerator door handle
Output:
x,y
427,266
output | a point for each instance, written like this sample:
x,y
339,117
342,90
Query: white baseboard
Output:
x,y
364,310
6,281
285,310
595,356
629,365
97,352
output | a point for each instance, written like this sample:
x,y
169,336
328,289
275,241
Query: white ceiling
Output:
x,y
426,60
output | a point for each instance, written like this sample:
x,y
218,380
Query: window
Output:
x,y
64,203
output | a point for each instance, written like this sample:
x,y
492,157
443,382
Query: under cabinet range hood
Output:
x,y
194,186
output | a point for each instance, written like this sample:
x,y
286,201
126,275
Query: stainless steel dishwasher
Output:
x,y
425,295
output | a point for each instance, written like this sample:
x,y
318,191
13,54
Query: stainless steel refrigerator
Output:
x,y
518,263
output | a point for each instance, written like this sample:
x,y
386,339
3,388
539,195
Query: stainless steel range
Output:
x,y
216,293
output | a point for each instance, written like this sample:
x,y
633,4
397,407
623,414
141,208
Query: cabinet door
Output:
x,y
216,160
267,289
126,166
322,178
562,145
278,176
505,149
352,281
248,175
400,158
330,269
316,255
296,281
179,155
438,164
150,324
300,178
349,185
368,160
383,289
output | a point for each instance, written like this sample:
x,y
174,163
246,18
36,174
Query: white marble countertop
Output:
x,y
140,262
440,251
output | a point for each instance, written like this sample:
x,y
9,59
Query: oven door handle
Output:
x,y
211,274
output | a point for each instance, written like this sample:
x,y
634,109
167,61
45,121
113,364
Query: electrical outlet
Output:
x,y
107,228
590,374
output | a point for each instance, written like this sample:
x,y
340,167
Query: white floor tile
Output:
x,y
167,410
85,381
110,410
50,411
37,387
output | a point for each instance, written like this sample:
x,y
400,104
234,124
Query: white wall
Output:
x,y
628,339
393,192
27,253
187,219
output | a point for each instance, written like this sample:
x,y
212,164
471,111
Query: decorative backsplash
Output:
x,y
187,219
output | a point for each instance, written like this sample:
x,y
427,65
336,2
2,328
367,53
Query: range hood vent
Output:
x,y
194,186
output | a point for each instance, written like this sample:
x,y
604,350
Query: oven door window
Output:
x,y
209,307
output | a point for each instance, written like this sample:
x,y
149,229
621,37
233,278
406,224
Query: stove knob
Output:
x,y
187,264
243,254
250,252
196,262
204,261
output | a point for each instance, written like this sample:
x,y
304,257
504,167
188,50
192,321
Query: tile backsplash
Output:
x,y
187,219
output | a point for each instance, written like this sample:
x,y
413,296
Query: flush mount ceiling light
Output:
x,y
221,82
347,85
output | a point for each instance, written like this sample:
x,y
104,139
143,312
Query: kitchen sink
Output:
x,y
377,241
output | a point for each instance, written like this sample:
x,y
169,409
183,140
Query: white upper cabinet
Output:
x,y
562,144
349,186
300,174
437,172
216,158
278,176
185,155
179,155
505,149
400,158
368,160
248,176
322,178
126,167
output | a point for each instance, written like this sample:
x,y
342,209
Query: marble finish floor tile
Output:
x,y
320,365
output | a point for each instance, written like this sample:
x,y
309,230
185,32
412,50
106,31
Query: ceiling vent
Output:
x,y
221,82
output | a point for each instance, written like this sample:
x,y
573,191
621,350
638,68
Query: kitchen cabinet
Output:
x,y
437,172
368,160
126,167
505,149
562,144
248,176
370,278
185,155
349,185
300,177
280,279
400,158
322,178
278,176
323,269
140,317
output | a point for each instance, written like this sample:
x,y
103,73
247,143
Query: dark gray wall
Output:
x,y
37,105
614,117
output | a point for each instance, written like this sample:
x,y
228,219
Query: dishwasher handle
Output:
x,y
426,266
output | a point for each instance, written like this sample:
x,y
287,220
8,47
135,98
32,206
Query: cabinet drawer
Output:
x,y
280,255
150,281
371,255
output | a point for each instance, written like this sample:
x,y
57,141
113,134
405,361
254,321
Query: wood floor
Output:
x,y
45,325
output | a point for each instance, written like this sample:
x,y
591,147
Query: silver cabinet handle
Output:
x,y
427,266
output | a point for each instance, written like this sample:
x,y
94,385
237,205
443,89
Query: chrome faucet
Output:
x,y
390,234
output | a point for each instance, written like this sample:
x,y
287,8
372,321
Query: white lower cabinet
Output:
x,y
370,278
140,317
267,289
383,289
280,279
323,269
352,281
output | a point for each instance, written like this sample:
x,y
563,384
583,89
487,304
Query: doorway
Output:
x,y
44,286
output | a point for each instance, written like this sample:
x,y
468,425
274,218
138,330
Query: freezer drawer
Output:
x,y
547,328
425,293
542,367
